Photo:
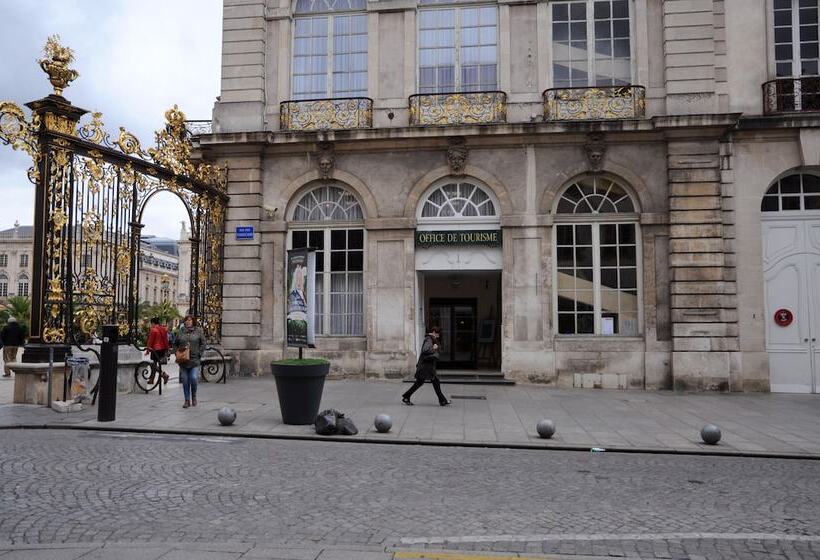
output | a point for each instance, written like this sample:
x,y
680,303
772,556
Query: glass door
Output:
x,y
457,319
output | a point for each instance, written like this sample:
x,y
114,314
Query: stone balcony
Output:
x,y
481,107
791,95
594,103
326,114
198,127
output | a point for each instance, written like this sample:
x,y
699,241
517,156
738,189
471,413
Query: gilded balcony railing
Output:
x,y
326,114
791,95
594,103
198,128
481,107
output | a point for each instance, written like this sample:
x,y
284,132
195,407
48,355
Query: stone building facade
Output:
x,y
16,248
613,156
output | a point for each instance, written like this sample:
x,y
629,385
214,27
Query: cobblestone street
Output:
x,y
85,487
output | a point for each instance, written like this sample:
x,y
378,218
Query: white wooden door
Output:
x,y
792,276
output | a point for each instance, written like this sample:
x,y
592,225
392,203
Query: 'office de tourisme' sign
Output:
x,y
486,238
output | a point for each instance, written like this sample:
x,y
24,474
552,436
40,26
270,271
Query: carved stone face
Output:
x,y
595,151
325,164
457,159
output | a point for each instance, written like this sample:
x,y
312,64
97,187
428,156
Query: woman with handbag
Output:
x,y
189,344
157,348
426,368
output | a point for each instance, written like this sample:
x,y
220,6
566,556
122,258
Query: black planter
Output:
x,y
300,390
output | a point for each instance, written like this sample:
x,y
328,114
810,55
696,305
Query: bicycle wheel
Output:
x,y
145,378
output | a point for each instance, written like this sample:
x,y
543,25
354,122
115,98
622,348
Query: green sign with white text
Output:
x,y
485,238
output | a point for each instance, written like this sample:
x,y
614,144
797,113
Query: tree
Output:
x,y
18,307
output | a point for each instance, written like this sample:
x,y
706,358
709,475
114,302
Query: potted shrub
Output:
x,y
299,384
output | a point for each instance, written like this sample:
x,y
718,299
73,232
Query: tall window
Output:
x,y
329,219
4,260
796,37
458,49
597,258
23,260
329,50
591,43
4,286
22,285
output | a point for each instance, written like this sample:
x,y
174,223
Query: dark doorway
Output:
x,y
457,319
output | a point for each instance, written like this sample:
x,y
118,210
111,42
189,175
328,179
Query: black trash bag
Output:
x,y
345,426
326,422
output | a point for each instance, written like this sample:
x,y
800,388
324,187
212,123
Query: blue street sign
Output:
x,y
244,232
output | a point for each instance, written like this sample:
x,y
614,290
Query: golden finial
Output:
x,y
55,63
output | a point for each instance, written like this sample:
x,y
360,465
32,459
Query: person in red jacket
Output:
x,y
157,347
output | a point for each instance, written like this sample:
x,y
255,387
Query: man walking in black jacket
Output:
x,y
12,338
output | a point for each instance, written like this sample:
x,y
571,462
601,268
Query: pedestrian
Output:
x,y
426,368
190,337
157,348
13,338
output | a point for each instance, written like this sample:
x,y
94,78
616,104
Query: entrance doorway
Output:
x,y
466,306
457,319
792,275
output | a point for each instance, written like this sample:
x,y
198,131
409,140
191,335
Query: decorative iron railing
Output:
x,y
198,128
481,107
594,103
326,114
791,95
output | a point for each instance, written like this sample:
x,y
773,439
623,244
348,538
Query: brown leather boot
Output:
x,y
187,404
193,401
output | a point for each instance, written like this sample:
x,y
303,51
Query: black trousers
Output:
x,y
436,387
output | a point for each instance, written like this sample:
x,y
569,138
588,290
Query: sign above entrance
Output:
x,y
485,238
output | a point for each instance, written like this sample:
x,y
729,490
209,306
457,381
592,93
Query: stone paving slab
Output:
x,y
504,416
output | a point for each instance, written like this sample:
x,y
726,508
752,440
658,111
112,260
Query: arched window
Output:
x,y
22,285
4,286
800,191
597,259
330,219
329,49
457,201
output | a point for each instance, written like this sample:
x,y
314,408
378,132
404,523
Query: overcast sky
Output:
x,y
136,59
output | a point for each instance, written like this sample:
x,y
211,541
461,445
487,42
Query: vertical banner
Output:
x,y
301,286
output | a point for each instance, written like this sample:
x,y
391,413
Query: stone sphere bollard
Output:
x,y
710,434
226,416
383,423
545,428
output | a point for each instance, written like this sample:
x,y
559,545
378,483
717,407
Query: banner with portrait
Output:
x,y
301,289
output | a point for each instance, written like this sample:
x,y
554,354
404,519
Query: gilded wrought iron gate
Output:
x,y
91,191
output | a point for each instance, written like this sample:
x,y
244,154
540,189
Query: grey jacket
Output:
x,y
193,338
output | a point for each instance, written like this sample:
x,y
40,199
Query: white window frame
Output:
x,y
4,286
633,52
457,7
326,228
460,220
796,41
4,260
596,220
23,260
329,70
23,285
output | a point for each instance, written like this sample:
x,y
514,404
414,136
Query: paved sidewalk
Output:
x,y
659,421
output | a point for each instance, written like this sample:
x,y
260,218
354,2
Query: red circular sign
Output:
x,y
783,317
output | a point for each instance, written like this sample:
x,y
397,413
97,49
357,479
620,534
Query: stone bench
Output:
x,y
31,382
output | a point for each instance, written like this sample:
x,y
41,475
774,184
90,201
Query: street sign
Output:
x,y
244,232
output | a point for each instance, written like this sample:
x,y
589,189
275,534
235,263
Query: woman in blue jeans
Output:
x,y
192,337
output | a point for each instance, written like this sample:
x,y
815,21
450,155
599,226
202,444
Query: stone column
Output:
x,y
242,297
389,305
703,300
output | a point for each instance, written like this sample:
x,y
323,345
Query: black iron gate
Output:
x,y
91,191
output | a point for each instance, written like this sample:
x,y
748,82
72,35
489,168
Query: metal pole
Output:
x,y
50,370
107,407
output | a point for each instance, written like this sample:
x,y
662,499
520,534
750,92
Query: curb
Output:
x,y
429,443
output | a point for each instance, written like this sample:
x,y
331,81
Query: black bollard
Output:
x,y
107,407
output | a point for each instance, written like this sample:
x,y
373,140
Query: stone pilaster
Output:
x,y
242,295
703,301
240,107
